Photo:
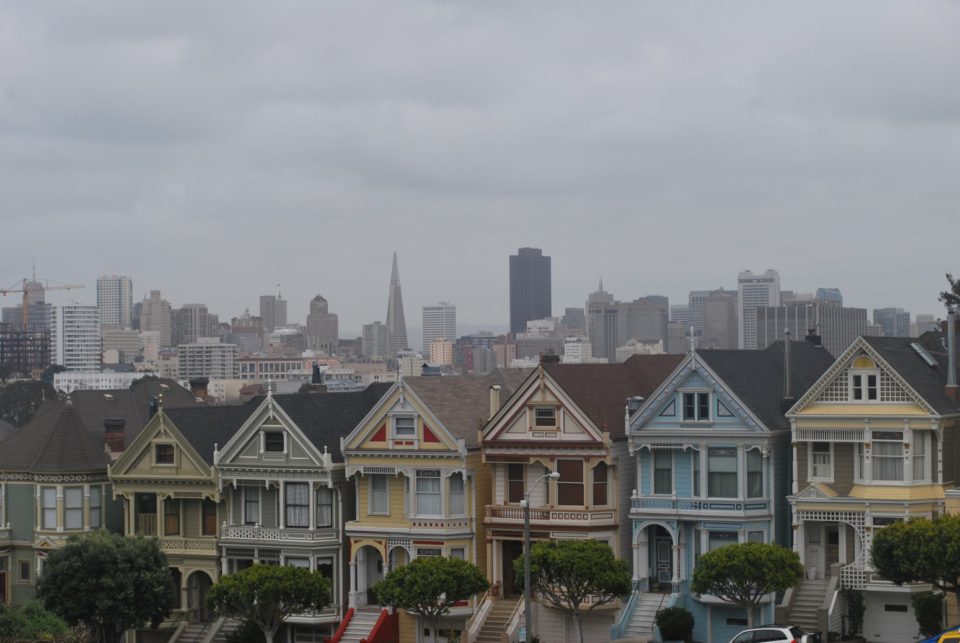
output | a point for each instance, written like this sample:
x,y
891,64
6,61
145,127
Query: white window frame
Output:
x,y
428,475
810,470
96,507
863,373
69,511
653,472
386,493
553,415
395,426
263,440
697,417
44,508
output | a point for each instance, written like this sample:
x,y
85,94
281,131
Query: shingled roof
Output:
x,y
928,381
757,376
68,435
462,402
323,417
601,390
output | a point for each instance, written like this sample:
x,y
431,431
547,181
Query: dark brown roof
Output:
x,y
461,402
601,390
928,381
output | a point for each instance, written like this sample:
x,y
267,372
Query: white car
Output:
x,y
776,634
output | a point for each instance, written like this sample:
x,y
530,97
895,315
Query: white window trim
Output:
x,y
370,511
696,407
653,473
263,440
393,425
243,505
176,454
810,476
863,372
443,495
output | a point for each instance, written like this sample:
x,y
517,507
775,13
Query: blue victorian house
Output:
x,y
713,468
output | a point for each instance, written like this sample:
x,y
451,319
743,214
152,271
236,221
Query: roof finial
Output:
x,y
160,400
69,400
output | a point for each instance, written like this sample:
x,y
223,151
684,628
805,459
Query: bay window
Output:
x,y
662,472
456,495
297,504
722,472
754,474
324,507
429,498
73,508
570,483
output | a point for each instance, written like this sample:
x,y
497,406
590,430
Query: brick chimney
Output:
x,y
113,434
198,386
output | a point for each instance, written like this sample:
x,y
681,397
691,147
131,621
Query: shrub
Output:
x,y
675,623
928,608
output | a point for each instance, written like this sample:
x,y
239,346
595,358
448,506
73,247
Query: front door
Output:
x,y
512,550
664,556
833,546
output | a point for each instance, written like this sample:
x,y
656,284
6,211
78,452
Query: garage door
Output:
x,y
889,618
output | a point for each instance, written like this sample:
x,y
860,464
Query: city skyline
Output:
x,y
815,139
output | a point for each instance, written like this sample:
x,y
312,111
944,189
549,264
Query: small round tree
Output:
x,y
108,583
742,574
267,594
430,586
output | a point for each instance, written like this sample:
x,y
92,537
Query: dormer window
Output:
x,y
545,417
864,380
163,454
405,426
696,407
273,442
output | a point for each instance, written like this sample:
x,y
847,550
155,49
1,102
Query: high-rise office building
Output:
x,y
719,320
323,327
754,291
273,312
574,319
680,313
191,322
115,301
156,315
836,325
830,294
208,357
530,295
26,353
75,337
374,342
894,321
439,320
925,323
603,322
677,338
396,323
246,331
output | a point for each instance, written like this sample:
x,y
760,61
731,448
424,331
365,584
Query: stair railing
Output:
x,y
475,622
513,625
617,629
343,627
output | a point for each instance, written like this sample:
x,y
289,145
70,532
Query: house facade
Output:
x,y
874,442
712,458
568,419
421,488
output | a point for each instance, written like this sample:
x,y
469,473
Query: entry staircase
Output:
x,y
808,597
215,631
495,624
641,625
360,625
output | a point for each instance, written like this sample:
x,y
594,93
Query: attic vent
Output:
x,y
922,352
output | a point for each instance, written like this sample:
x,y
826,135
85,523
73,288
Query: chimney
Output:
x,y
198,386
634,402
951,390
113,434
549,358
494,399
813,337
787,400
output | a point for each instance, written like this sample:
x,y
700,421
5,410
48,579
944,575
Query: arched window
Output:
x,y
600,477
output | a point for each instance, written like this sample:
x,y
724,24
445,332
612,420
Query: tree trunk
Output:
x,y
576,622
433,629
268,634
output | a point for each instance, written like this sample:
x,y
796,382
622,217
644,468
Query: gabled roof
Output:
x,y
601,390
68,436
928,381
462,402
6,429
323,417
56,440
756,377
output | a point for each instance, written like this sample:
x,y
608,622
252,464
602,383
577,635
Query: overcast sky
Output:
x,y
215,150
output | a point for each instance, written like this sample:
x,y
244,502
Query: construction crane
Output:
x,y
28,286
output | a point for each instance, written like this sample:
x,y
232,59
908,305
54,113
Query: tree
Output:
x,y
30,623
6,370
920,551
951,297
567,572
742,574
19,401
108,583
268,594
430,586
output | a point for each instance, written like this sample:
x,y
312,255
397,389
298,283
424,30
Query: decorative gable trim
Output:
x,y
839,368
159,425
269,412
818,491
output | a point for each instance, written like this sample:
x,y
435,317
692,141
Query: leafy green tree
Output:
x,y
31,623
920,551
430,586
951,297
267,595
108,583
567,572
19,401
742,574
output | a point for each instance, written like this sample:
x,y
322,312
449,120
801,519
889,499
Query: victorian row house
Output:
x,y
711,447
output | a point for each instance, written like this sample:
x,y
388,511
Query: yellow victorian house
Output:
x,y
874,442
421,487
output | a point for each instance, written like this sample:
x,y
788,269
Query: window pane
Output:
x,y
325,567
251,505
722,472
96,501
298,504
428,494
456,494
324,507
721,538
378,494
515,482
545,416
164,454
570,484
73,508
49,508
600,484
404,425
689,406
273,441
662,472
696,473
171,517
703,406
209,515
754,474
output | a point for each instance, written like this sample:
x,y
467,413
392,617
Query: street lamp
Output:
x,y
525,503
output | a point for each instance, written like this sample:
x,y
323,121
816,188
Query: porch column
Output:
x,y
224,566
352,595
798,542
842,535
161,501
676,559
636,561
184,593
794,485
643,560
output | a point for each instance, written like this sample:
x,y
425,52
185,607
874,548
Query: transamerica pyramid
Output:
x,y
396,324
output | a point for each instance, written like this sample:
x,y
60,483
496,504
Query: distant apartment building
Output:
x,y
68,382
125,341
836,325
156,315
894,321
873,330
208,357
754,291
441,352
695,309
680,313
577,350
574,319
530,288
542,337
273,312
190,322
26,353
75,341
149,345
115,301
375,341
246,331
611,324
677,338
323,327
439,320
261,368
924,324
720,320
291,340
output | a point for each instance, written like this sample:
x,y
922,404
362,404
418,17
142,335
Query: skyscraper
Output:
x,y
115,301
719,319
396,323
155,315
754,291
323,327
439,321
895,321
75,337
374,344
603,317
529,288
836,325
273,312
191,322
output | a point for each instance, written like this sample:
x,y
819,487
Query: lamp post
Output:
x,y
525,503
